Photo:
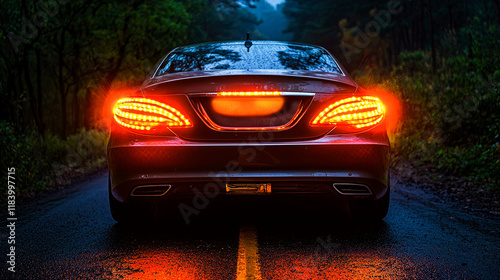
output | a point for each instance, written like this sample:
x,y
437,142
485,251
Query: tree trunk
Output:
x,y
64,113
497,10
10,113
431,31
61,84
76,111
406,41
31,91
466,12
450,15
413,29
39,91
122,47
88,117
422,37
76,75
396,46
469,46
27,79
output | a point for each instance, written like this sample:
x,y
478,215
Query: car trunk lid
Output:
x,y
239,107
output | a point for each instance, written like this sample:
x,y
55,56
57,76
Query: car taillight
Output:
x,y
352,114
145,115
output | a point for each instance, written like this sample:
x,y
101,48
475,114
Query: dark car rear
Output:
x,y
227,120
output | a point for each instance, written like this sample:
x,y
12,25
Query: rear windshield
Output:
x,y
237,57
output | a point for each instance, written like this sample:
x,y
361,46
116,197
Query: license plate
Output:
x,y
248,189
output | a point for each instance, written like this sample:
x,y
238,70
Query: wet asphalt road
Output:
x,y
74,237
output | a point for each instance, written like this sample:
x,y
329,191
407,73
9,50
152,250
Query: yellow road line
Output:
x,y
248,256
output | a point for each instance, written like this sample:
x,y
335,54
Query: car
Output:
x,y
262,120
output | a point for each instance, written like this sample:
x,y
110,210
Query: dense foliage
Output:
x,y
44,162
452,117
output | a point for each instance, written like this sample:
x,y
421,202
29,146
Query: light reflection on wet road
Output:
x,y
74,237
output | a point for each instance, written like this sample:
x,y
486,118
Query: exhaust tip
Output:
x,y
352,189
150,190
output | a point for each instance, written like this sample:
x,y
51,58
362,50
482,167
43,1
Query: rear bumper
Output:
x,y
302,167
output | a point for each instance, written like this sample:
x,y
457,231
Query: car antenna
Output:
x,y
248,43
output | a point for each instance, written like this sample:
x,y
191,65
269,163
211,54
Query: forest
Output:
x,y
60,59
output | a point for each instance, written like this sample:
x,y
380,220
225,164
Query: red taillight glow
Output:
x,y
145,114
249,93
354,112
247,107
248,103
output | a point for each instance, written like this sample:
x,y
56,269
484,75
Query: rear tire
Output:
x,y
134,212
119,211
370,210
126,213
382,205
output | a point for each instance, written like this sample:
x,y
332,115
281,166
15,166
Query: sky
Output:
x,y
275,2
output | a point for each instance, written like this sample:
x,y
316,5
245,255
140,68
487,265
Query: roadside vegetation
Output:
x,y
451,118
45,163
